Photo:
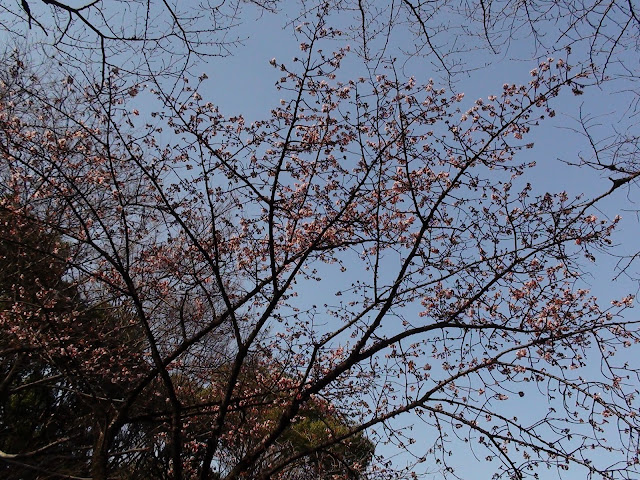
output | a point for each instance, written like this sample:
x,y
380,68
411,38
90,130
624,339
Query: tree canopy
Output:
x,y
375,263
